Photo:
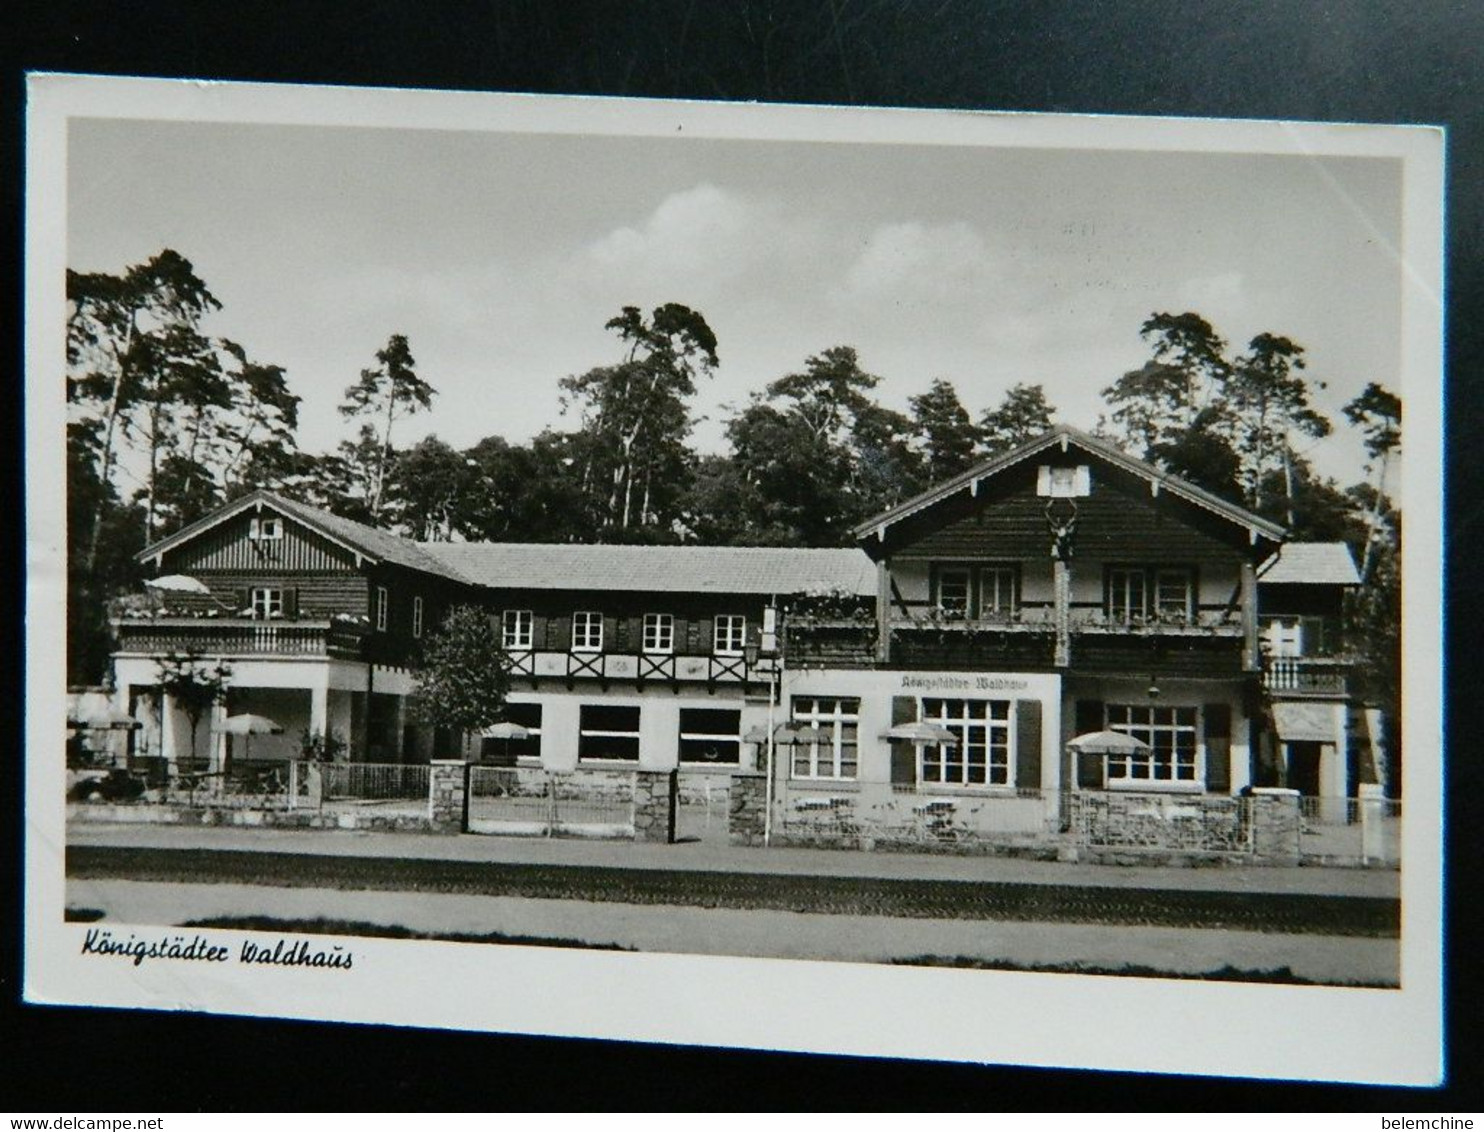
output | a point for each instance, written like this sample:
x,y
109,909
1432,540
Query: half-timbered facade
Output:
x,y
1058,590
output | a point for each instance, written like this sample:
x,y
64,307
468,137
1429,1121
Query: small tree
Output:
x,y
195,686
464,678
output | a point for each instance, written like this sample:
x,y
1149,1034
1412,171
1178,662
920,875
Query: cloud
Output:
x,y
701,235
910,262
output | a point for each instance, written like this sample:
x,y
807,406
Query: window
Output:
x,y
267,603
508,750
381,608
731,632
1170,734
832,754
659,633
587,632
517,630
1126,597
269,530
608,732
999,590
981,756
710,735
954,590
1172,595
417,617
1063,482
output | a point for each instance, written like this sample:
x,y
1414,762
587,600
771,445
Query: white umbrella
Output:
x,y
922,733
507,731
248,725
1108,743
177,584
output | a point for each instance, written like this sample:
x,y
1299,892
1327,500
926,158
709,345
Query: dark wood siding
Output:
x,y
831,646
314,595
1003,652
1118,520
1164,656
228,547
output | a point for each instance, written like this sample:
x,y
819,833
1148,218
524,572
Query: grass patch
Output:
x,y
325,926
1227,974
82,915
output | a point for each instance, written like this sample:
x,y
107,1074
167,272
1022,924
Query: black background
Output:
x,y
1376,61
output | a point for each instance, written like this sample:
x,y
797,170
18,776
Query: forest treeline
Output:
x,y
167,423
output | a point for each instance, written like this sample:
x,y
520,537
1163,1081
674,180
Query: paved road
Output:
x,y
771,934
1382,883
914,898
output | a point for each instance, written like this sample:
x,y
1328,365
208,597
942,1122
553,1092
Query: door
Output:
x,y
1303,767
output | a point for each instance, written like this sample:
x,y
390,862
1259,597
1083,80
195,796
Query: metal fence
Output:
x,y
372,782
542,803
1348,829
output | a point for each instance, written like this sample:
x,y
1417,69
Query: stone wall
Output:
x,y
746,814
1276,824
656,795
448,795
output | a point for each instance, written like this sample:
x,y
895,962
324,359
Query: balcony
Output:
x,y
240,637
1296,676
638,668
1091,618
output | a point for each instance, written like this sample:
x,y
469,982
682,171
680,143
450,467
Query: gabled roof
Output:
x,y
654,569
365,542
1063,436
1310,564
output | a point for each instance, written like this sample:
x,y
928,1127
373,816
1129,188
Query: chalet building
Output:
x,y
1060,589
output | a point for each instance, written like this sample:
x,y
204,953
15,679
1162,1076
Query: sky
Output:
x,y
501,256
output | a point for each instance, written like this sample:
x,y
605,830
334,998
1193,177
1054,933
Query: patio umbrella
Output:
x,y
1108,743
177,584
507,731
247,725
922,733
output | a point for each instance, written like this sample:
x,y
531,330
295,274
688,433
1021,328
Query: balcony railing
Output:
x,y
1041,618
240,636
634,667
1307,675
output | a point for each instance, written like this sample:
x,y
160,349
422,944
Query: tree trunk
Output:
x,y
111,416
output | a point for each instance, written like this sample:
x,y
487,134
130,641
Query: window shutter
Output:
x,y
559,633
244,600
623,633
610,632
693,636
1089,766
252,530
1218,721
1028,744
291,601
903,754
1043,480
1083,480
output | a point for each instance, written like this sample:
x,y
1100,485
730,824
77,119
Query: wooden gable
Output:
x,y
1121,518
231,546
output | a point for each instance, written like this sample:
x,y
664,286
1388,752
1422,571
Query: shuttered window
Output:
x,y
587,632
1170,735
267,601
659,633
982,755
517,630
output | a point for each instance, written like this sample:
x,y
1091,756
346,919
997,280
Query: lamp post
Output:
x,y
766,657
